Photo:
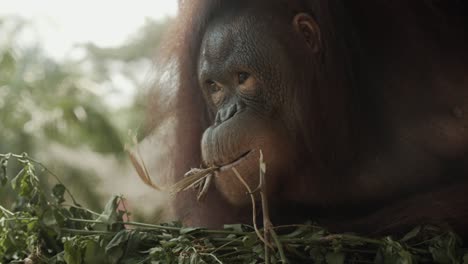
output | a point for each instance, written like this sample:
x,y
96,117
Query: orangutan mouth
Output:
x,y
237,161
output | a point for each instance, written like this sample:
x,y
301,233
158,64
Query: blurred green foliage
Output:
x,y
44,101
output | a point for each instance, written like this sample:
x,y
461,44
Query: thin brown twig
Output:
x,y
269,232
252,198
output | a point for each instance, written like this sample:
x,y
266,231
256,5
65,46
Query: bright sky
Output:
x,y
62,23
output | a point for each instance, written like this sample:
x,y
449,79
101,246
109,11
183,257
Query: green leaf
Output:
x,y
94,254
15,182
187,230
465,258
317,254
115,255
77,212
446,248
335,258
58,192
3,171
26,186
412,234
195,258
234,227
73,252
48,219
7,64
110,214
393,252
250,240
118,240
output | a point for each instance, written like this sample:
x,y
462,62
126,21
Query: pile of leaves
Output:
x,y
41,227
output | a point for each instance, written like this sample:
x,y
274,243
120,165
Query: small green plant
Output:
x,y
41,227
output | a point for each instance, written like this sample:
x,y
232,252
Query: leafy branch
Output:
x,y
42,228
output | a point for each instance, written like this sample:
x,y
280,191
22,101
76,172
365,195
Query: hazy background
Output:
x,y
73,75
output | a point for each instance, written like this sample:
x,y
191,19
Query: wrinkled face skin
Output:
x,y
245,77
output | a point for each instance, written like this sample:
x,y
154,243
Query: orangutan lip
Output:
x,y
235,162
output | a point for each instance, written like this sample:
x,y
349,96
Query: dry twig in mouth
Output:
x,y
199,178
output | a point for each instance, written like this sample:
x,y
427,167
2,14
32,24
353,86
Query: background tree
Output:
x,y
49,106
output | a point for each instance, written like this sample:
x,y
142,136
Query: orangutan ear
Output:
x,y
306,25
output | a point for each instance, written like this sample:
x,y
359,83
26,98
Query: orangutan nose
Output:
x,y
225,113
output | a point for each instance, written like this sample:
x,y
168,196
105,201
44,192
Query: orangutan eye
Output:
x,y
213,87
243,76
